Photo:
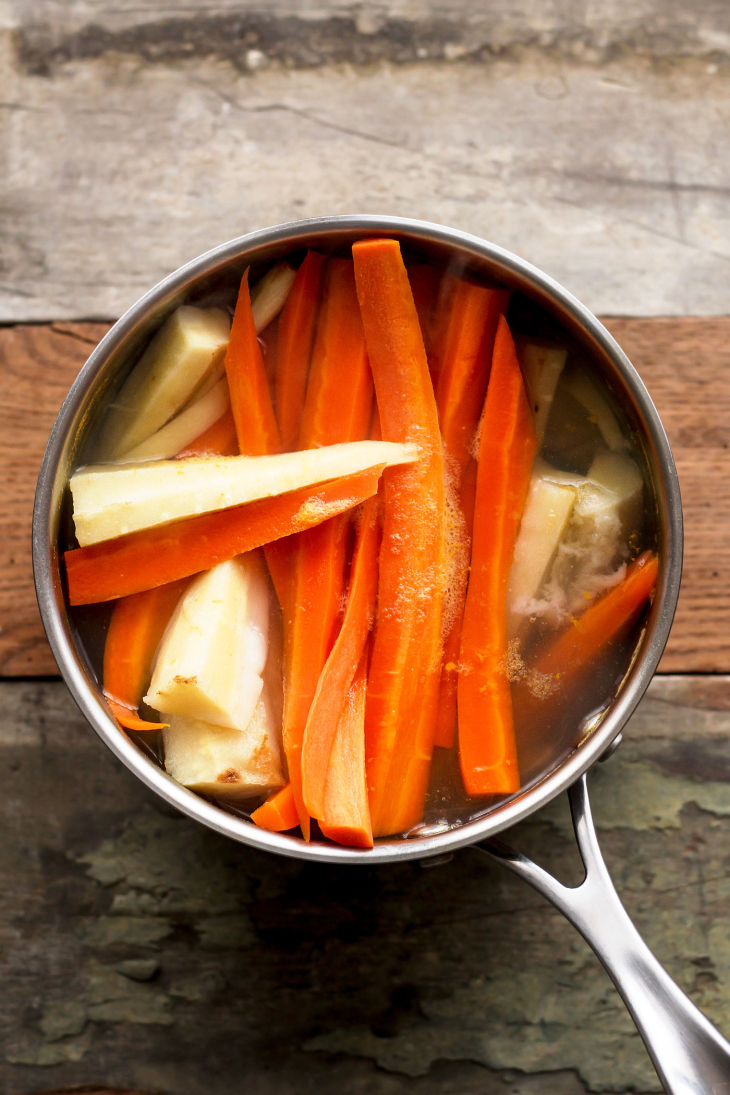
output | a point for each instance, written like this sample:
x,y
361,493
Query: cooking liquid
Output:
x,y
552,727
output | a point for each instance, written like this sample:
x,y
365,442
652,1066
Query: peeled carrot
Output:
x,y
279,555
218,440
337,408
487,748
424,281
251,405
405,664
446,716
339,399
339,672
467,341
296,333
152,557
317,587
134,634
346,810
604,622
278,813
468,325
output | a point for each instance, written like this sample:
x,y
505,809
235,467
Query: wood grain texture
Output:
x,y
685,364
142,952
38,364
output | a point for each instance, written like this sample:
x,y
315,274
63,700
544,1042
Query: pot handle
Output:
x,y
691,1057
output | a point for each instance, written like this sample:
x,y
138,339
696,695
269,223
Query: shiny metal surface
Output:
x,y
115,354
690,1056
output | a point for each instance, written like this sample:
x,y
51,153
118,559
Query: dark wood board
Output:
x,y
142,952
685,363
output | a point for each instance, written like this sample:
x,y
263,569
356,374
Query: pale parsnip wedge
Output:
x,y
188,346
592,553
542,365
212,656
582,389
544,520
620,475
268,295
189,424
110,501
228,764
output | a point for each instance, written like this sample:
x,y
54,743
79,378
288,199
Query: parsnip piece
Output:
x,y
620,475
582,388
229,764
187,347
544,520
111,500
268,295
211,659
189,424
542,364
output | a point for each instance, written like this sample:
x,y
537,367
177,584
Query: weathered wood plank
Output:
x,y
143,952
601,156
37,367
685,363
686,367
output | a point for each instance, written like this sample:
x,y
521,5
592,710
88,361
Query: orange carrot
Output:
x,y
134,634
278,813
279,556
467,342
424,281
487,749
569,653
468,324
337,408
218,440
346,811
446,716
269,342
339,672
152,557
253,413
317,586
296,332
404,670
339,399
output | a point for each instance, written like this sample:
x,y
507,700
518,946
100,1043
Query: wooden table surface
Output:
x,y
144,954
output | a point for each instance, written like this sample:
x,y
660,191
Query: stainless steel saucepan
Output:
x,y
690,1056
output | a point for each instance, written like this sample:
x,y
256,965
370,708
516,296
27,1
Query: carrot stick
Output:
x,y
339,672
269,342
278,813
152,557
424,281
339,399
317,586
469,317
568,654
253,413
399,720
279,556
446,716
346,809
337,408
465,360
218,440
487,749
296,333
134,634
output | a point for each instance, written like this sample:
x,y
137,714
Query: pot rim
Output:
x,y
165,296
